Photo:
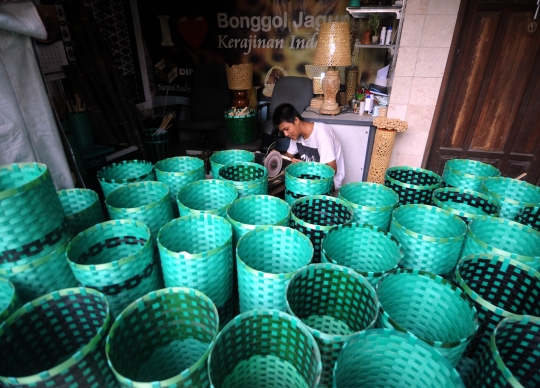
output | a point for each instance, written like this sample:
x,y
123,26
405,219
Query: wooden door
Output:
x,y
489,108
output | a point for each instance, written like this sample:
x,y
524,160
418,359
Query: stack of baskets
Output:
x,y
120,174
226,157
308,178
248,178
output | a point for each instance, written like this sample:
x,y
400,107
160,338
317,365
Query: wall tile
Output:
x,y
424,91
437,30
416,7
411,142
431,61
411,34
406,160
406,61
401,89
419,117
442,7
397,111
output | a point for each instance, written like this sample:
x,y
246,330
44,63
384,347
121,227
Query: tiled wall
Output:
x,y
423,51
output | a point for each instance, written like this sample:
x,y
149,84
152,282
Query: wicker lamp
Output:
x,y
240,80
316,74
333,49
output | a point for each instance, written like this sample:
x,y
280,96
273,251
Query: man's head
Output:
x,y
287,119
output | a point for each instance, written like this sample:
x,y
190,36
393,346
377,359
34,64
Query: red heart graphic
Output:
x,y
192,31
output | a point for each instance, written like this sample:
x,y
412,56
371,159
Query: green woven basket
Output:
x,y
81,126
250,212
264,348
335,303
223,158
431,237
467,204
372,203
147,202
308,178
241,129
120,174
115,258
9,301
157,144
266,260
513,357
512,194
196,252
499,287
389,358
210,196
82,208
57,340
31,220
177,172
366,249
529,215
163,340
430,308
248,178
412,184
45,274
499,236
315,215
467,174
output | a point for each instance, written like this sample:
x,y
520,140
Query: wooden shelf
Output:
x,y
357,12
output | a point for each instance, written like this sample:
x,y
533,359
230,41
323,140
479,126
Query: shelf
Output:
x,y
358,11
384,46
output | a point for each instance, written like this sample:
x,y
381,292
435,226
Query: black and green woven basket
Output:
x,y
248,178
499,287
512,194
431,237
430,308
57,340
163,340
308,178
499,236
196,252
315,215
335,303
9,301
250,212
412,184
115,258
264,348
157,144
81,126
467,174
390,358
466,204
222,158
122,173
529,215
212,196
368,250
372,203
266,260
241,129
82,208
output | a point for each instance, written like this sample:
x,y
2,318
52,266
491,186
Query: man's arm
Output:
x,y
333,164
291,156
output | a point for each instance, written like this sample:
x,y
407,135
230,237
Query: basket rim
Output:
x,y
468,175
217,154
325,197
443,204
321,166
199,162
89,194
246,116
120,189
253,198
513,181
409,185
206,182
251,182
370,185
77,355
123,163
44,175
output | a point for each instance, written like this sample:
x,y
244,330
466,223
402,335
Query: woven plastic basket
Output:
x,y
389,358
466,204
248,178
174,330
82,208
120,174
264,348
411,184
315,215
115,258
366,249
266,260
499,236
9,301
32,215
499,287
372,203
196,252
210,196
467,174
81,126
442,315
431,237
222,158
157,144
57,340
253,211
512,194
241,129
529,215
335,303
308,178
147,202
513,357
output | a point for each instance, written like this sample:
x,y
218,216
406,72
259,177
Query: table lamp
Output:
x,y
333,49
240,80
316,74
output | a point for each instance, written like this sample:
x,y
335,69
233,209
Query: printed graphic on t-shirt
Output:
x,y
308,154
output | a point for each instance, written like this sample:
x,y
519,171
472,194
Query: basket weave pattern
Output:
x,y
529,215
120,174
179,171
82,208
512,194
467,174
248,178
466,204
226,157
9,301
210,196
413,185
307,178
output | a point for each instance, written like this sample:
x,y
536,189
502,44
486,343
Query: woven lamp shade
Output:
x,y
240,77
334,45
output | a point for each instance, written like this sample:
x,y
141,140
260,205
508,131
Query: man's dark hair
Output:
x,y
285,112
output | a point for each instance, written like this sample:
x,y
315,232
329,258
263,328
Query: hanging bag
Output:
x,y
269,88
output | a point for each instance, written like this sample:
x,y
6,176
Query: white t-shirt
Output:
x,y
322,146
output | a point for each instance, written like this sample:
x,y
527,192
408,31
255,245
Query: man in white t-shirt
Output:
x,y
313,142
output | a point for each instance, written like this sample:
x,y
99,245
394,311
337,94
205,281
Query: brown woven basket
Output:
x,y
240,77
380,158
269,88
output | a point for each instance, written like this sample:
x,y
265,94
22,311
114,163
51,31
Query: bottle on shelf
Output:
x,y
389,35
383,36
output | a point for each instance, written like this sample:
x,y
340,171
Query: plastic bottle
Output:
x,y
389,35
369,104
383,35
